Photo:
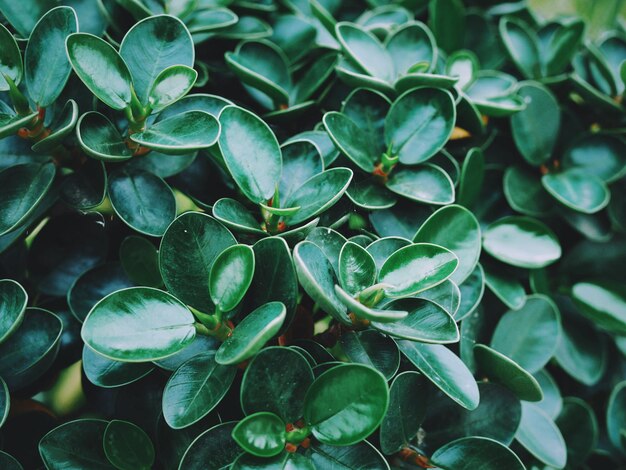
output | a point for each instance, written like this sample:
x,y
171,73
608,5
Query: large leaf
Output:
x,y
214,449
13,300
107,373
541,437
276,380
180,134
195,389
188,250
522,241
127,446
350,139
456,229
579,428
142,200
46,68
476,452
161,41
444,369
251,153
261,434
22,188
522,45
361,455
577,189
419,124
101,69
346,404
415,268
427,184
252,333
603,155
138,324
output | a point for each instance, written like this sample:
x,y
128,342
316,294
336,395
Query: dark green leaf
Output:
x,y
541,437
140,261
577,189
107,373
616,415
373,349
171,85
579,428
471,452
357,269
261,434
603,303
214,449
99,138
10,59
13,301
427,184
231,276
127,446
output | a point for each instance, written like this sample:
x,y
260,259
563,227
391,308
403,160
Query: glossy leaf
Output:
x,y
357,269
615,413
522,241
522,46
213,449
13,300
195,389
444,369
101,69
171,85
231,276
10,59
468,452
541,437
138,324
346,404
252,333
140,261
579,428
373,349
427,184
107,373
99,138
261,434
251,153
62,125
350,139
577,189
365,50
362,455
604,303
416,268
127,446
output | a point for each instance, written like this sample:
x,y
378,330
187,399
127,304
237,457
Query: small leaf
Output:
x,y
100,68
372,349
261,434
346,404
427,184
13,301
350,139
46,67
251,153
365,50
61,127
99,138
522,241
357,269
522,46
539,435
249,336
417,267
127,446
138,324
577,189
443,368
180,134
468,453
195,389
171,85
231,276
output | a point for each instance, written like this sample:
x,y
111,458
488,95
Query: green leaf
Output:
x,y
31,350
510,291
419,124
602,155
346,404
101,69
13,301
170,85
427,322
357,269
463,64
61,126
99,138
261,434
410,44
529,336
106,373
180,134
472,290
427,184
552,402
276,380
205,21
195,389
318,194
188,250
415,268
604,303
522,46
142,200
22,189
5,403
251,153
138,324
539,435
363,311
407,408
10,124
577,189
384,247
9,463
140,261
46,67
161,41
350,139
93,285
579,428
317,278
214,449
562,45
536,128
501,369
522,241
231,276
476,452
76,444
301,160
365,50
616,414
361,455
455,228
10,59
373,349
447,21
472,175
525,193
251,334
447,295
444,369
236,216
127,446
